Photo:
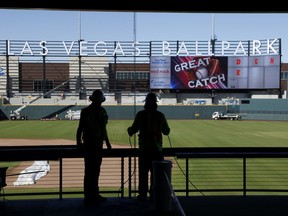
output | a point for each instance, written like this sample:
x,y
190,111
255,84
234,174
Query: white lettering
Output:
x,y
194,84
256,46
165,46
270,46
119,49
214,80
182,46
177,68
225,47
196,46
209,49
8,48
82,48
136,49
26,48
240,48
221,77
202,62
206,81
104,50
45,49
68,51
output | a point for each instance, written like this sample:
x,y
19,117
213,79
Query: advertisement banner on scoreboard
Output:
x,y
160,73
209,72
198,72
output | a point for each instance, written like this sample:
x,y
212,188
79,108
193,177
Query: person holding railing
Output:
x,y
151,124
91,134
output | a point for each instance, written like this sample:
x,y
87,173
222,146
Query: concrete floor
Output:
x,y
192,206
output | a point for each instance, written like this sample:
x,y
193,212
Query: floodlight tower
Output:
x,y
80,88
213,37
213,40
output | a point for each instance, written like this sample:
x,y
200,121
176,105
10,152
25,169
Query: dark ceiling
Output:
x,y
195,6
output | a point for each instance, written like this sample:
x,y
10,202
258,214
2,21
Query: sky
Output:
x,y
59,25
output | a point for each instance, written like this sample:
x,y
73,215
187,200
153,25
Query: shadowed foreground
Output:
x,y
192,206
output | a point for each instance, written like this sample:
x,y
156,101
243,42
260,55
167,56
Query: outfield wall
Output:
x,y
264,109
249,109
35,112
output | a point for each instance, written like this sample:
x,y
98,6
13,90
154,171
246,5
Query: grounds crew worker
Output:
x,y
150,123
91,134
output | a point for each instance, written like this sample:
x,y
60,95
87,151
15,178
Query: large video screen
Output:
x,y
208,72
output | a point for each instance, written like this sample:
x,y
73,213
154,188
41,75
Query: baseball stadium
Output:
x,y
225,101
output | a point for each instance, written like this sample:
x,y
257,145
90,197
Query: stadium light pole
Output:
x,y
213,39
79,25
134,61
81,90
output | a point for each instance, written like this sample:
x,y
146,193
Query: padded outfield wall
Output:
x,y
264,109
249,109
36,112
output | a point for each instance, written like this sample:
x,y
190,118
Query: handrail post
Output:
x,y
60,178
244,176
129,177
122,177
187,177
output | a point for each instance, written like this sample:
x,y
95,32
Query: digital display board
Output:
x,y
209,72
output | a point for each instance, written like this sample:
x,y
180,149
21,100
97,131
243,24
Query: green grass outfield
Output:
x,y
184,133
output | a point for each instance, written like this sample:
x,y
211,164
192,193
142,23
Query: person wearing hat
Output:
x,y
90,136
151,124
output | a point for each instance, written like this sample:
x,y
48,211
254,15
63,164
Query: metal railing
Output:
x,y
204,171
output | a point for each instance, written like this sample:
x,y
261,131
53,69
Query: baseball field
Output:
x,y
184,133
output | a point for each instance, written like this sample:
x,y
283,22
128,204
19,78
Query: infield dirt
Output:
x,y
73,168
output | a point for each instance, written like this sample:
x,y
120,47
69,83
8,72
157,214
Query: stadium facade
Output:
x,y
181,72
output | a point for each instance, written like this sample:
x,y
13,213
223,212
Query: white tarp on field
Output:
x,y
31,174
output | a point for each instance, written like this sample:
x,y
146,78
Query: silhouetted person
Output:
x,y
151,124
91,134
